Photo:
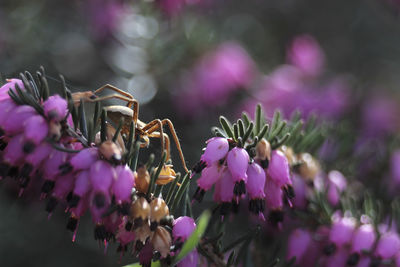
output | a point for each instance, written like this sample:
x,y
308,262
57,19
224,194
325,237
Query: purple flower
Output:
x,y
224,188
388,245
238,161
273,195
122,186
14,152
255,181
7,107
209,176
16,119
102,175
10,85
306,54
183,228
51,168
338,259
84,159
82,183
217,148
55,108
36,129
363,239
342,231
278,169
298,243
40,153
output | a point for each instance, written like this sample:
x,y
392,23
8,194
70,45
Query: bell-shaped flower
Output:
x,y
183,228
273,195
7,107
238,161
224,188
55,108
16,119
342,231
278,169
336,185
388,245
102,175
209,176
36,129
84,159
10,85
123,184
217,148
298,243
363,239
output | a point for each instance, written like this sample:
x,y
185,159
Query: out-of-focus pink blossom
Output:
x,y
278,169
388,245
342,231
215,78
298,244
336,185
273,195
364,238
183,228
306,54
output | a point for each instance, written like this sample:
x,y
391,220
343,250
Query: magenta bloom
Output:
x,y
82,183
7,106
238,161
224,188
255,181
102,175
209,176
217,148
84,159
55,108
183,228
278,169
338,259
40,153
36,129
298,243
342,231
273,195
14,152
51,168
388,245
10,85
363,239
306,54
122,186
16,120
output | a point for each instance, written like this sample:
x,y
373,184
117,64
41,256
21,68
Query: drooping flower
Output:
x,y
298,243
55,108
217,148
388,245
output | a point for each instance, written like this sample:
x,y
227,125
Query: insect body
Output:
x,y
130,112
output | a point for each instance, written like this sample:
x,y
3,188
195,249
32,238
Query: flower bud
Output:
x,y
158,210
167,174
140,209
55,108
224,188
7,107
10,85
110,151
161,241
142,180
309,167
263,152
217,148
278,169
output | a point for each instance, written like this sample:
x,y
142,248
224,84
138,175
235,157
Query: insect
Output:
x,y
130,112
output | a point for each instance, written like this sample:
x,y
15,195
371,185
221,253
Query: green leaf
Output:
x,y
195,237
226,126
258,119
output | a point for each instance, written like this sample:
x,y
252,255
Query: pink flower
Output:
x,y
336,185
224,188
55,108
36,129
255,181
217,148
16,119
238,161
10,85
278,169
84,159
363,239
122,186
183,228
209,176
273,195
306,54
298,243
342,231
388,245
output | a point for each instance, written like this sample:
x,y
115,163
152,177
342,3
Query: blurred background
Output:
x,y
192,60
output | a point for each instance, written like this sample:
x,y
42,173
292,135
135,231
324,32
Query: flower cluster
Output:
x,y
41,148
345,243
